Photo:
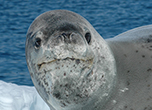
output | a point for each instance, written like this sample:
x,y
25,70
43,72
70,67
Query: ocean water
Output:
x,y
109,18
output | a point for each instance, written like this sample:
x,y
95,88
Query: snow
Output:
x,y
15,97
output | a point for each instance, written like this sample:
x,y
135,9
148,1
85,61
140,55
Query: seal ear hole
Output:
x,y
37,43
88,37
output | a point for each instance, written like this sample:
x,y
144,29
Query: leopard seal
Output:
x,y
74,68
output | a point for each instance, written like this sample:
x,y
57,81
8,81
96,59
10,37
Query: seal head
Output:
x,y
70,64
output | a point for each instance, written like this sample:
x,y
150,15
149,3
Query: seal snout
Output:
x,y
67,44
67,37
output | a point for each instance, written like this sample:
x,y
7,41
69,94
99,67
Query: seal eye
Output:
x,y
88,37
37,42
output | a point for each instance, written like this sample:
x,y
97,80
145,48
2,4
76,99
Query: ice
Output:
x,y
15,97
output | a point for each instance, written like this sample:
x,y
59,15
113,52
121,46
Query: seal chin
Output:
x,y
65,80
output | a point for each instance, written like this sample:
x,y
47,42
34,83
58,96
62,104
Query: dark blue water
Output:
x,y
109,17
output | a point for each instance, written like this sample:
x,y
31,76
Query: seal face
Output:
x,y
69,62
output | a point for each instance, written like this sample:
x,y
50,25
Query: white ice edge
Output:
x,y
16,97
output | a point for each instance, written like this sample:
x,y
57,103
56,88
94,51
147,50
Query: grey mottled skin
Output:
x,y
73,68
133,53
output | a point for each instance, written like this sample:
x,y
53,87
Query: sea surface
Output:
x,y
109,18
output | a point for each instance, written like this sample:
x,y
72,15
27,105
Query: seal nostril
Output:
x,y
61,37
64,35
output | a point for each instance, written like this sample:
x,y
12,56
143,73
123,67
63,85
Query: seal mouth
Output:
x,y
77,61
